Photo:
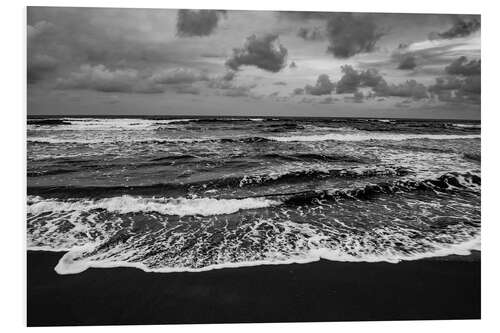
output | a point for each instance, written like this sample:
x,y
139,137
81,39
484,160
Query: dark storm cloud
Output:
x,y
264,52
353,79
407,62
472,85
323,86
446,83
197,22
39,65
100,78
311,34
457,89
115,38
462,27
39,62
350,34
410,88
460,66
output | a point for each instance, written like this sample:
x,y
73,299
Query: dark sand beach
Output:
x,y
439,288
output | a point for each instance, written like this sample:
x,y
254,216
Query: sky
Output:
x,y
112,61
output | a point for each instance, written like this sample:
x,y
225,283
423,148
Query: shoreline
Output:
x,y
433,288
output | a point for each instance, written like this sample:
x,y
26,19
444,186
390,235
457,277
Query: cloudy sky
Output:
x,y
255,63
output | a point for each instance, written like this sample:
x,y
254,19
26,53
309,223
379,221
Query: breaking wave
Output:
x,y
167,206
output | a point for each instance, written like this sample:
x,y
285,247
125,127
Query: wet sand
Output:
x,y
439,288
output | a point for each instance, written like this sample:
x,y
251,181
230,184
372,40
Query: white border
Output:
x,y
13,108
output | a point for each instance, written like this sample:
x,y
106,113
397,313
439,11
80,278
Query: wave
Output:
x,y
72,263
127,203
358,136
167,206
365,136
313,174
315,157
101,124
472,156
475,126
48,122
447,182
128,232
288,176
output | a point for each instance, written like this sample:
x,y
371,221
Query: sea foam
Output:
x,y
167,206
364,136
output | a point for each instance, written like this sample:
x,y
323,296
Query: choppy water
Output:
x,y
196,194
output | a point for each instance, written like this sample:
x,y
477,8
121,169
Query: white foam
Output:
x,y
56,140
71,262
108,124
364,136
168,206
467,125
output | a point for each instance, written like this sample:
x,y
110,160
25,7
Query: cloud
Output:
x,y
222,81
226,83
370,77
298,91
351,34
472,85
462,27
352,79
263,52
38,65
326,100
179,75
407,61
100,78
457,89
460,66
311,34
403,104
197,22
410,88
446,83
241,91
38,29
300,16
358,97
188,90
323,86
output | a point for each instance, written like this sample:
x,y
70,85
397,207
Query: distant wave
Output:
x,y
256,139
364,136
320,157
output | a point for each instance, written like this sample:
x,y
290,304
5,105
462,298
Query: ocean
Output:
x,y
198,193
